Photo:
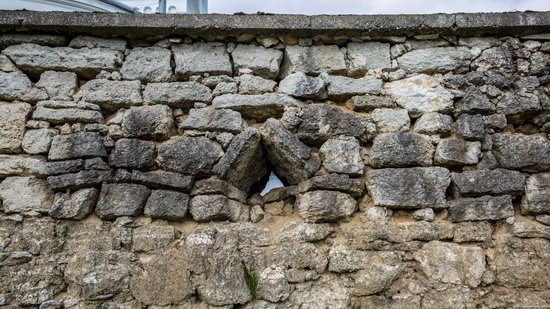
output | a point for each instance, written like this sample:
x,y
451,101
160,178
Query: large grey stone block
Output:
x,y
262,61
436,60
536,199
189,155
112,94
177,95
167,205
481,208
367,56
325,206
200,58
313,60
206,119
149,64
13,117
133,153
259,107
25,194
77,145
121,199
401,150
148,122
488,182
530,153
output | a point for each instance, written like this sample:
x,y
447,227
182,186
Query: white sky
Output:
x,y
312,7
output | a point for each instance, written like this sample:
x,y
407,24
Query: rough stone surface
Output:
x,y
78,180
367,103
342,155
367,56
481,208
133,153
22,194
67,115
492,182
433,124
116,200
325,206
262,61
416,187
205,119
167,205
259,107
148,64
177,95
189,155
435,60
13,117
148,122
401,150
341,88
536,199
334,182
156,179
391,120
213,207
76,205
313,60
252,84
299,85
77,145
111,95
214,59
457,152
470,127
38,141
529,153
58,85
17,86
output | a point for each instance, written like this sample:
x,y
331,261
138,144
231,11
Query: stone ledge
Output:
x,y
139,25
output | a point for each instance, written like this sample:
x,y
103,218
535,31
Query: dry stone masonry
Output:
x,y
416,171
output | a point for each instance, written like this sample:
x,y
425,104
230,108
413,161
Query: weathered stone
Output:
x,y
433,124
334,182
262,61
380,272
244,163
457,152
149,122
112,94
59,85
481,208
167,205
325,206
189,155
163,280
536,199
342,155
321,122
417,187
313,60
327,292
367,56
252,84
341,88
420,94
206,119
200,58
149,64
531,229
299,256
475,102
293,231
17,86
273,285
544,219
452,263
213,207
225,88
217,186
530,153
436,60
78,180
291,159
301,86
22,194
391,120
62,167
13,117
82,41
259,107
76,205
469,231
133,153
343,259
38,141
470,127
177,95
156,179
85,62
77,145
488,182
494,59
6,65
67,115
121,199
53,40
518,106
401,150
425,214
149,238
367,103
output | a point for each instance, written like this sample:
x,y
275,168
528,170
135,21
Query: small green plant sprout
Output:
x,y
251,279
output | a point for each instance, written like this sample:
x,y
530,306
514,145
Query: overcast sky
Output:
x,y
311,7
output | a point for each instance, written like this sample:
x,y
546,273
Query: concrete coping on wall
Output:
x,y
140,25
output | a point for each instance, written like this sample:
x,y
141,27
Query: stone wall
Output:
x,y
416,171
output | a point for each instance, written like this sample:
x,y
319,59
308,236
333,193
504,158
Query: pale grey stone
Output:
x,y
327,292
425,214
59,85
544,219
82,41
367,56
481,42
252,84
67,115
494,59
293,231
313,60
469,231
382,269
111,94
300,85
148,122
189,155
457,152
167,205
343,259
259,107
13,117
401,150
325,206
262,61
6,65
273,285
121,199
177,95
149,64
133,153
38,141
74,206
299,256
77,145
367,103
81,179
53,40
531,229
391,120
17,165
200,58
420,94
481,208
22,194
409,188
291,158
17,86
488,182
212,81
342,155
452,263
433,124
213,207
225,88
530,153
206,119
149,238
536,199
85,62
334,182
343,88
436,60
